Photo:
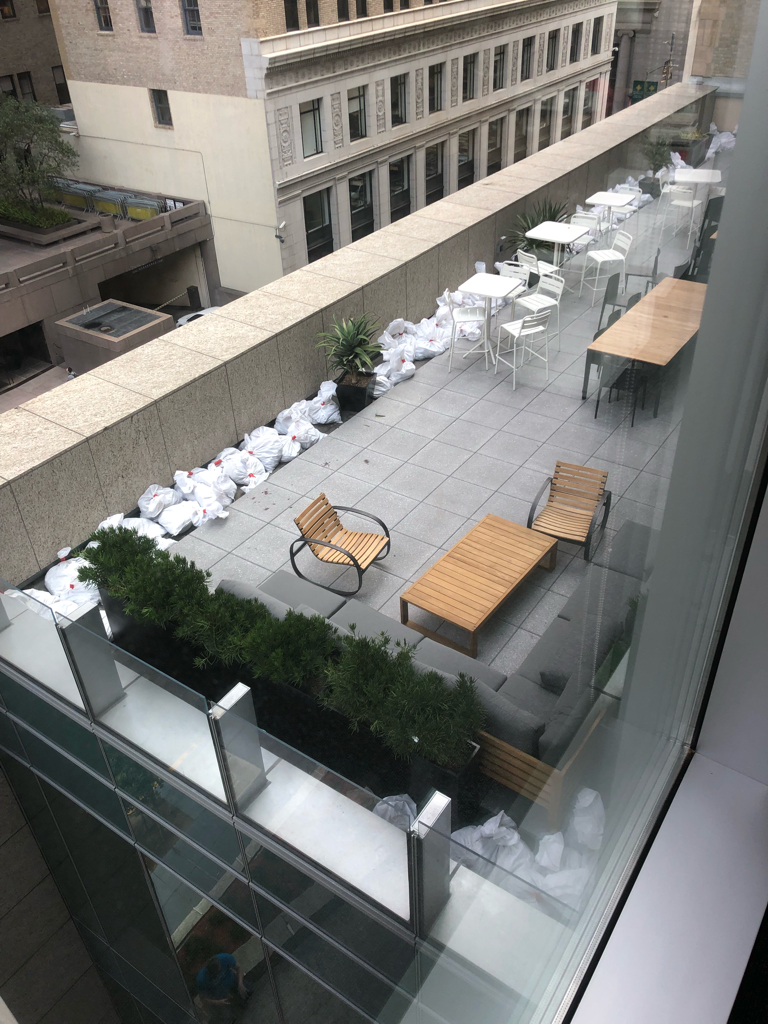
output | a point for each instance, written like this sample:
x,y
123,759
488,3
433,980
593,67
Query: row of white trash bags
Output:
x,y
151,528
323,408
64,593
272,448
561,866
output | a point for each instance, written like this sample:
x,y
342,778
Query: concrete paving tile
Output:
x,y
470,436
407,555
450,403
510,448
425,423
431,524
302,476
515,651
228,533
331,453
480,469
372,467
413,480
441,457
265,502
490,414
232,567
268,548
387,410
531,424
459,496
195,550
399,444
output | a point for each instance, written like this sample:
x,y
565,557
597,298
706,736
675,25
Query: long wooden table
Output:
x,y
656,328
468,584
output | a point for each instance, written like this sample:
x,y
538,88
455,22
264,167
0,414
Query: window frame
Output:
x,y
500,61
553,50
312,9
312,253
188,8
431,195
403,208
26,77
569,114
103,16
527,50
361,96
146,6
7,5
550,104
398,86
469,77
528,111
57,84
498,124
596,44
157,104
367,227
471,161
577,38
438,79
315,109
589,106
291,12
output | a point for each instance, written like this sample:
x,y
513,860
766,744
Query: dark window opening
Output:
x,y
466,158
317,224
545,122
162,107
313,14
389,6
361,8
469,77
526,59
576,42
342,10
103,16
398,89
43,7
60,81
7,87
292,15
146,16
7,10
499,67
434,172
553,46
361,204
590,103
192,23
569,110
597,35
26,89
436,87
495,136
357,115
311,128
522,133
399,188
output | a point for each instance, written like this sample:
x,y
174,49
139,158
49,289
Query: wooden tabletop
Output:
x,y
469,582
655,329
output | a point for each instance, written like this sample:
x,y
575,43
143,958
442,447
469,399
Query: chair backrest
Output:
x,y
663,178
622,242
586,219
680,270
577,488
612,289
527,259
535,322
612,319
511,269
551,284
633,300
319,520
448,299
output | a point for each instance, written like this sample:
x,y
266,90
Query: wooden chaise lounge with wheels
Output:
x,y
577,495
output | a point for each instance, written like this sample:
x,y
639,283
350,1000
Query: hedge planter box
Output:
x,y
354,397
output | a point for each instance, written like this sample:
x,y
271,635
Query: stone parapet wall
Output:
x,y
88,449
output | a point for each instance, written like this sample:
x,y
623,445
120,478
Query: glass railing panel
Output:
x,y
157,714
58,727
9,738
30,641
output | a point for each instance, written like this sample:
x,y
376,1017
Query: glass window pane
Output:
x,y
184,814
357,116
575,53
466,158
361,204
499,67
522,131
59,728
398,88
311,134
526,58
434,172
9,737
317,224
436,88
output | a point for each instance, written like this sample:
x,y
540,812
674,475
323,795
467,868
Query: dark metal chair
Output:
x,y
652,279
331,542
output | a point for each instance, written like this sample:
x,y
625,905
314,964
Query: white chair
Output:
x,y
547,296
600,257
509,268
681,197
634,209
465,315
526,333
588,220
536,266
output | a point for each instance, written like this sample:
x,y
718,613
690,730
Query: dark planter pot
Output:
x,y
461,785
353,397
651,187
692,152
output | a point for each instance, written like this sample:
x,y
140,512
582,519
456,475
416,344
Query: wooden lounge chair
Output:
x,y
576,496
329,541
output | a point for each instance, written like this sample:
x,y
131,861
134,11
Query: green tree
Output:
x,y
32,151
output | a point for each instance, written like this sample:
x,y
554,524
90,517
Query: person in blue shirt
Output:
x,y
220,983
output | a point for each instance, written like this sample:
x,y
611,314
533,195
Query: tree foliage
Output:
x,y
32,151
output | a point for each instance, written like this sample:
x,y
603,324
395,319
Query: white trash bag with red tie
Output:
x,y
155,499
242,468
400,364
301,433
287,416
61,580
324,408
266,444
430,339
205,485
177,518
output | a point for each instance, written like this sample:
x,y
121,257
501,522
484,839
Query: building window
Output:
x,y
60,81
576,31
553,45
361,204
311,127
361,8
545,121
499,67
43,7
405,4
399,188
317,224
522,133
313,14
342,10
292,15
193,26
434,172
146,16
436,72
7,10
597,35
398,90
567,125
161,108
7,88
103,16
469,80
356,109
526,58
495,136
26,89
590,103
389,6
466,158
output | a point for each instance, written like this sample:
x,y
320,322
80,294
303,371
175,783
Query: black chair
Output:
x,y
633,300
681,271
711,219
594,358
611,297
652,279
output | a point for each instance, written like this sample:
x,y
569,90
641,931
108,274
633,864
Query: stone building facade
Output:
x,y
30,65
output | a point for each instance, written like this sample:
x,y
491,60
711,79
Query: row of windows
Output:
x,y
8,10
190,13
310,113
317,206
21,87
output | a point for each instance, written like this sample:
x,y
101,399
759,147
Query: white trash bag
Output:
x,y
291,448
400,365
398,810
40,600
381,386
430,339
61,580
205,485
287,416
550,851
324,408
587,821
266,444
177,518
301,430
145,527
243,469
155,499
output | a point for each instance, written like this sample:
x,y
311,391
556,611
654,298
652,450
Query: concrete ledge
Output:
x,y
89,448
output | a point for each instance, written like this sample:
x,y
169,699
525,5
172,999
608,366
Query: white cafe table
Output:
x,y
489,287
558,233
696,177
613,200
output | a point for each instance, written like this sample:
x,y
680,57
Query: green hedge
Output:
x,y
411,712
34,216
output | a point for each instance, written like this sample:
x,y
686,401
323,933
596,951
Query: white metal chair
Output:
x,y
526,333
681,197
547,296
466,315
600,257
632,211
588,220
509,268
536,266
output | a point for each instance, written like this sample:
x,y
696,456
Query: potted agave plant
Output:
x,y
351,351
